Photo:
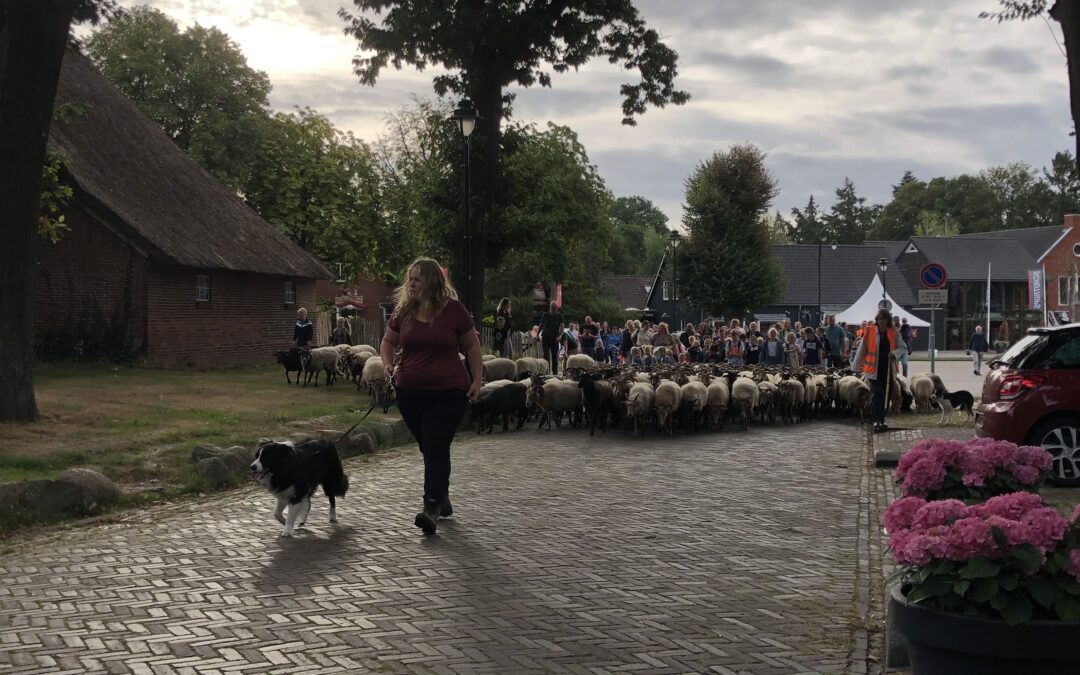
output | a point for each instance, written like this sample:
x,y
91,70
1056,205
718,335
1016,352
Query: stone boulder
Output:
x,y
217,465
73,492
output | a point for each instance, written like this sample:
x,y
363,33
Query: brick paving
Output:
x,y
731,553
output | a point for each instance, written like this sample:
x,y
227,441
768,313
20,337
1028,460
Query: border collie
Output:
x,y
951,401
292,473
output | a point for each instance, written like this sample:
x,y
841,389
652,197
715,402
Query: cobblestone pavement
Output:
x,y
737,552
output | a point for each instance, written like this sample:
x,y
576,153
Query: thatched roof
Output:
x,y
152,194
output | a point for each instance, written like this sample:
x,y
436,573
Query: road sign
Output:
x,y
933,275
885,305
936,296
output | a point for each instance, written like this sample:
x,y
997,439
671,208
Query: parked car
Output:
x,y
1032,396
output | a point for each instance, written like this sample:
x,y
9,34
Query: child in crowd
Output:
x,y
792,353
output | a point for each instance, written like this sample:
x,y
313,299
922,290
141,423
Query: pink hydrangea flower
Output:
x,y
941,512
1074,560
901,513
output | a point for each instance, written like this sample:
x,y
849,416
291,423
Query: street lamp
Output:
x,y
883,265
465,117
675,238
820,316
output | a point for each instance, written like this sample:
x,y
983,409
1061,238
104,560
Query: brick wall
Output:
x,y
244,322
88,293
1060,261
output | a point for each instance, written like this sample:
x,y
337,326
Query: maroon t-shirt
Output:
x,y
429,350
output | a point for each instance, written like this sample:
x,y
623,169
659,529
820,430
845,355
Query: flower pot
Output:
x,y
953,644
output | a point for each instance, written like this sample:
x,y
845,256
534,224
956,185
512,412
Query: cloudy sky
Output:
x,y
829,89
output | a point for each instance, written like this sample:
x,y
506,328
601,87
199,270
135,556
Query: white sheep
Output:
x,y
639,403
488,357
499,369
717,403
922,390
855,393
555,397
767,396
578,363
373,375
744,397
666,401
321,359
527,366
694,396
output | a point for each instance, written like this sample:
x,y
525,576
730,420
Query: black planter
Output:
x,y
944,643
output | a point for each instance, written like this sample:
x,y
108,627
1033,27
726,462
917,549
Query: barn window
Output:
x,y
667,293
202,288
290,293
1063,290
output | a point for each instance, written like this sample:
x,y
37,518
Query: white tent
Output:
x,y
866,307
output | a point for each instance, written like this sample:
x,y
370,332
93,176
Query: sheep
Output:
x,y
939,384
499,369
767,395
321,359
855,392
639,403
372,375
821,395
666,402
488,357
500,398
744,397
599,400
291,359
527,366
922,389
695,396
577,364
794,395
717,403
554,397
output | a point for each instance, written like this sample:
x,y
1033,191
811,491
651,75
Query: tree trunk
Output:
x,y
1067,13
33,35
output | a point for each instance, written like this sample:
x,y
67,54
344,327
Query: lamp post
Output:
x,y
820,314
883,265
465,117
675,238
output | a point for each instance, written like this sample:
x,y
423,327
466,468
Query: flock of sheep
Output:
x,y
689,396
692,397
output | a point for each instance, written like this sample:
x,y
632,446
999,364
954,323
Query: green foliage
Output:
x,y
196,85
637,227
849,218
777,227
500,45
419,164
726,266
808,225
556,225
54,195
320,187
1017,10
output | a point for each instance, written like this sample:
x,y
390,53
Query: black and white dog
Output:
x,y
292,473
951,401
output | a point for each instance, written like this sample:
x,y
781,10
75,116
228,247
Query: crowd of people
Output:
x,y
644,344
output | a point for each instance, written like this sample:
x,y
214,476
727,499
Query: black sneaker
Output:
x,y
446,509
426,520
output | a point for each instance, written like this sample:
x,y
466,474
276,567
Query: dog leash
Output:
x,y
375,404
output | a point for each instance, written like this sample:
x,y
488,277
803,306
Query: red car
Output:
x,y
1031,396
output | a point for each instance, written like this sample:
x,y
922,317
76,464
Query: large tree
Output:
x,y
32,40
1067,14
638,227
849,219
487,47
726,266
320,187
195,84
807,225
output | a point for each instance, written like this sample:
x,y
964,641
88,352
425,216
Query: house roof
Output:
x,y
893,248
630,289
966,258
845,274
144,187
1036,240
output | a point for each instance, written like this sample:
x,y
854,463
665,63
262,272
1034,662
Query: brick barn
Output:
x,y
162,263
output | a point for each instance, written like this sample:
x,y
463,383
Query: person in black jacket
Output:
x,y
976,347
303,330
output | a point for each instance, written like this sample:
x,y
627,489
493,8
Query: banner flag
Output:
x,y
1036,289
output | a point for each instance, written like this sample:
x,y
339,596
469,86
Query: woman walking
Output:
x,y
504,311
429,325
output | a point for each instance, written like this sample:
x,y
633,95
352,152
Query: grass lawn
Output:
x,y
138,425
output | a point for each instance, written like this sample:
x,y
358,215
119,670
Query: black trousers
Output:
x,y
551,353
432,416
878,388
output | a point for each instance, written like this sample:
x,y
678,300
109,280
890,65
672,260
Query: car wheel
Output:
x,y
1061,438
